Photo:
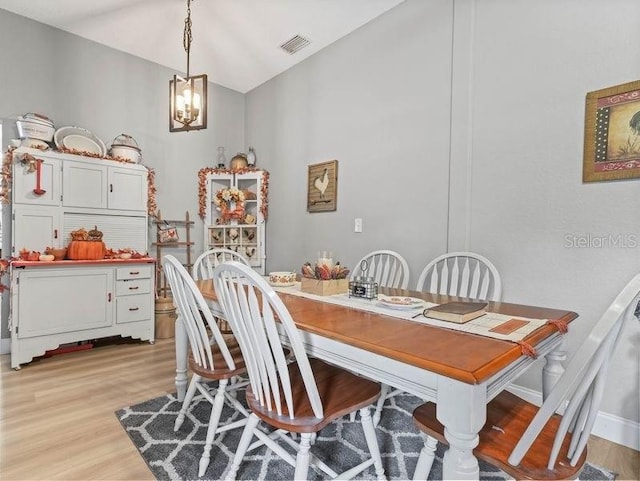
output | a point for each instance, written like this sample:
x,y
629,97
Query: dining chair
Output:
x,y
299,397
203,269
212,358
463,274
536,443
387,268
208,260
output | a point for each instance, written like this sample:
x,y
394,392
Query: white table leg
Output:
x,y
181,358
553,368
462,409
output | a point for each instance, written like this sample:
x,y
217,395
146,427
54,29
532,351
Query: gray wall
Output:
x,y
378,101
82,83
459,126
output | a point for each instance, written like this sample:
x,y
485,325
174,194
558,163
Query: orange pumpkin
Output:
x,y
85,250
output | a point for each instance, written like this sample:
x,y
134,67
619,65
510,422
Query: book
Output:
x,y
458,312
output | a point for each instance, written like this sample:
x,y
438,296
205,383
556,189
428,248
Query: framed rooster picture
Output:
x,y
612,133
322,187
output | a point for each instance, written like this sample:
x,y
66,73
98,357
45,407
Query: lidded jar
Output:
x,y
239,161
126,147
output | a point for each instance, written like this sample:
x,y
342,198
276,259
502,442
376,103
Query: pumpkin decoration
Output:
x,y
79,235
95,234
85,250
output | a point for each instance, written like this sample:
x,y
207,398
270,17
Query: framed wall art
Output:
x,y
322,187
612,133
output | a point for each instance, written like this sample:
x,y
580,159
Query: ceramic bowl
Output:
x,y
282,279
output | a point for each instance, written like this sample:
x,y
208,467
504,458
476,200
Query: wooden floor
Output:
x,y
57,417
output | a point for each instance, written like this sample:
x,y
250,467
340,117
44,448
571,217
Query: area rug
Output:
x,y
175,455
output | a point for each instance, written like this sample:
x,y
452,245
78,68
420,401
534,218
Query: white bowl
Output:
x,y
282,279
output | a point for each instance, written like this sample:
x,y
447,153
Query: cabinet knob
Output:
x,y
109,297
134,288
110,187
55,233
134,308
134,273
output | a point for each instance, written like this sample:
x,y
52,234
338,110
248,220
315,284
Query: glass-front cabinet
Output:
x,y
235,212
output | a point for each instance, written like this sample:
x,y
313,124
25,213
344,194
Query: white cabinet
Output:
x,y
25,181
243,230
37,228
78,193
104,187
60,302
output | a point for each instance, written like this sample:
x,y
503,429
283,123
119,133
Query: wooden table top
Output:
x,y
466,357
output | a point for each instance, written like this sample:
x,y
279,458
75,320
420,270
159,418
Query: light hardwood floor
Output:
x,y
57,417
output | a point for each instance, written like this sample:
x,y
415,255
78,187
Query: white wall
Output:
x,y
472,113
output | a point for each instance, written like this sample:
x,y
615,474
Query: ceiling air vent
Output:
x,y
294,44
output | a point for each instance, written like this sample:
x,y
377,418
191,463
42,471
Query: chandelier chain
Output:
x,y
187,36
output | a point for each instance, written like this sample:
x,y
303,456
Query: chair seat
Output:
x,y
508,416
221,371
341,393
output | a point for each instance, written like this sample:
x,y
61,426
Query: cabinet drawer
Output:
x,y
133,286
134,272
133,308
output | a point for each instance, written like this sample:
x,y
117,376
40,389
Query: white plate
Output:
x,y
81,143
401,303
79,139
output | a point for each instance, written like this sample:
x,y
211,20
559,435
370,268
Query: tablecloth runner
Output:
x,y
480,325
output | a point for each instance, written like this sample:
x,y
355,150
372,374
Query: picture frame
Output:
x,y
322,187
612,133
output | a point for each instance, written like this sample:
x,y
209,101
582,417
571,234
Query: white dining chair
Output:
x,y
212,358
387,268
530,442
299,397
205,264
463,274
208,260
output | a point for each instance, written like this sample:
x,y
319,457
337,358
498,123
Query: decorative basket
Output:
x,y
58,254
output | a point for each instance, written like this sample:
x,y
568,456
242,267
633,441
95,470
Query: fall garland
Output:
x,y
202,187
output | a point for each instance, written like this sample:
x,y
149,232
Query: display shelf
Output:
x,y
184,232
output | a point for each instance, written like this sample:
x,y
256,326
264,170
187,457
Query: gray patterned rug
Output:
x,y
175,456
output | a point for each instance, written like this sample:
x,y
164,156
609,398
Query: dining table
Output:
x,y
459,371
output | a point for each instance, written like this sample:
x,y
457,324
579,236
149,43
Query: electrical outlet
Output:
x,y
357,225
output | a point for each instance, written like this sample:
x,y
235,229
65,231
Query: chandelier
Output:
x,y
188,96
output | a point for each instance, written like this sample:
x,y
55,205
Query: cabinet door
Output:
x,y
84,185
35,228
25,182
127,189
55,300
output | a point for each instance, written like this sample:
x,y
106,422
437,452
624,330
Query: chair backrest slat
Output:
x,y
196,317
252,307
388,269
463,274
583,382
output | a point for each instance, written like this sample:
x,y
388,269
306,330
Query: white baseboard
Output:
x,y
5,345
612,428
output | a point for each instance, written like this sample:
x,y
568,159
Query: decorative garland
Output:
x,y
202,187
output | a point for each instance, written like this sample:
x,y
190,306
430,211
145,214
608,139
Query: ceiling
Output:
x,y
235,42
